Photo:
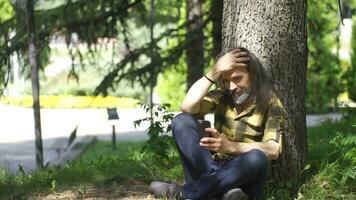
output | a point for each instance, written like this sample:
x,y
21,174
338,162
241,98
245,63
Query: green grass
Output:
x,y
99,166
330,173
332,161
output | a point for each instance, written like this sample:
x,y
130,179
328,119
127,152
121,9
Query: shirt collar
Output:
x,y
247,110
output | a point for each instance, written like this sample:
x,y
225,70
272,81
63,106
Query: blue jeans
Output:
x,y
206,177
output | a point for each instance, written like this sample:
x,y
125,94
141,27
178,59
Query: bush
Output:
x,y
159,144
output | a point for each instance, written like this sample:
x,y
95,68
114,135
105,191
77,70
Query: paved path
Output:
x,y
17,130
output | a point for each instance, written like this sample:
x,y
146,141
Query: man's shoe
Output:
x,y
166,190
235,194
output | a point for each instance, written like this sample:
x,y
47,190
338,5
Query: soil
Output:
x,y
128,191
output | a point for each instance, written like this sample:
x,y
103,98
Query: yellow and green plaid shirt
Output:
x,y
253,124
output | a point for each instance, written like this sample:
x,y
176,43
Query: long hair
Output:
x,y
260,85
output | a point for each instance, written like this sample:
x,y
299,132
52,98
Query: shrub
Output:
x,y
159,143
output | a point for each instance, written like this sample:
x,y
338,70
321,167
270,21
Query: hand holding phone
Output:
x,y
202,124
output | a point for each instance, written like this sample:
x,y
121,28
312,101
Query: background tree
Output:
x,y
32,51
216,17
324,72
195,51
350,74
7,12
276,33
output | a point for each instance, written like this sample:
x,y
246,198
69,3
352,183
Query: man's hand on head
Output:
x,y
232,59
216,143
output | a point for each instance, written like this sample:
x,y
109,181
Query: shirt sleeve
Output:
x,y
209,103
275,124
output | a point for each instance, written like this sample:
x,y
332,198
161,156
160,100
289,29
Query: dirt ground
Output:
x,y
129,191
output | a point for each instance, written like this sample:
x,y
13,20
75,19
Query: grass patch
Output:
x,y
332,161
99,166
330,173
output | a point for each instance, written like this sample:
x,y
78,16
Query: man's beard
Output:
x,y
240,99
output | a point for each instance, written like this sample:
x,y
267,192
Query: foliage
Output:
x,y
171,87
68,101
6,10
6,13
159,143
86,24
350,74
324,72
171,84
75,22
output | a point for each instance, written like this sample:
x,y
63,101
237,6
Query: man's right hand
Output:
x,y
230,60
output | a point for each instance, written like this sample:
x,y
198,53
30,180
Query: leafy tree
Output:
x,y
324,73
6,13
350,74
6,10
194,51
76,21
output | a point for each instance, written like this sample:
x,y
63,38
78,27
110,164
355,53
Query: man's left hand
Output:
x,y
216,143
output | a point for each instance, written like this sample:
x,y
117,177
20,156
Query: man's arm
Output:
x,y
191,102
270,148
218,143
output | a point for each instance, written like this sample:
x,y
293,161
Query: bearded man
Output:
x,y
230,162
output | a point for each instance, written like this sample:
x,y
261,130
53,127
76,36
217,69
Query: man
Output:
x,y
249,121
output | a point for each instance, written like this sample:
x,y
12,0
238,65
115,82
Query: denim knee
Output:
x,y
257,159
181,121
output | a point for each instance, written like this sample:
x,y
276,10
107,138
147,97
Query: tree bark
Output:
x,y
195,51
216,15
275,31
31,33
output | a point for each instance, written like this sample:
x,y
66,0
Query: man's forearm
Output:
x,y
270,148
191,102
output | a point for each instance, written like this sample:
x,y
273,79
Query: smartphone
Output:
x,y
202,124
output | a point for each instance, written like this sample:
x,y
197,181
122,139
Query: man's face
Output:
x,y
237,81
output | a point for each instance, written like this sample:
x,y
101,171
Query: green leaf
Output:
x,y
53,184
306,167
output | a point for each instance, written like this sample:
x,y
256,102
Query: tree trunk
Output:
x,y
195,51
216,15
31,33
275,31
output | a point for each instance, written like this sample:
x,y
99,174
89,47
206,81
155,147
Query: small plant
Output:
x,y
159,143
53,185
345,145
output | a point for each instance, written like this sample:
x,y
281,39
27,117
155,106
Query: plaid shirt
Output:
x,y
253,124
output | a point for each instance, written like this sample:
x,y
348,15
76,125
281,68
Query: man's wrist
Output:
x,y
212,76
211,81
